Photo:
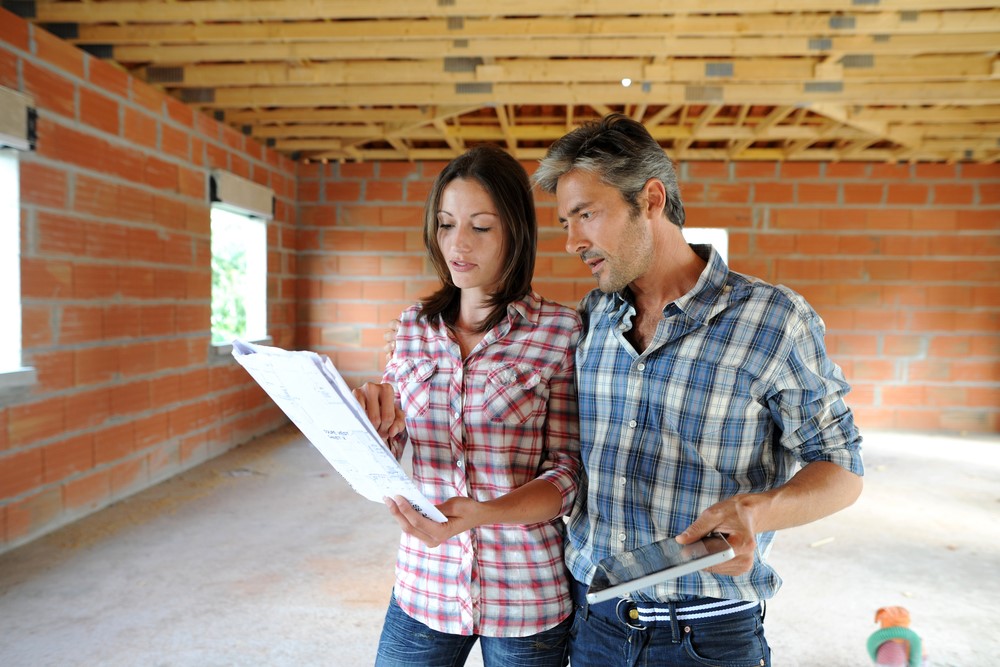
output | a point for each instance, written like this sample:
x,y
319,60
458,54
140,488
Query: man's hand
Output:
x,y
734,518
379,403
817,490
461,513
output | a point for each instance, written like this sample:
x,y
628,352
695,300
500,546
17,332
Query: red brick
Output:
x,y
139,128
907,193
42,185
384,191
151,430
20,472
341,191
120,322
175,141
419,191
729,193
51,91
128,399
87,409
87,493
31,422
953,194
137,359
708,170
778,193
128,477
13,30
114,443
850,170
816,193
55,369
180,112
63,459
99,111
95,365
60,234
106,241
8,69
863,193
95,281
36,326
800,169
32,514
160,174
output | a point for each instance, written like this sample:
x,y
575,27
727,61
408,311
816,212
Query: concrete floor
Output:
x,y
264,556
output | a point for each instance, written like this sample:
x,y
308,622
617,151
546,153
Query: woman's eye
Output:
x,y
445,225
482,229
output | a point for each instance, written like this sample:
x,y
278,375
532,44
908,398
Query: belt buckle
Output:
x,y
633,614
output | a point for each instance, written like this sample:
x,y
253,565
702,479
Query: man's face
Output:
x,y
616,245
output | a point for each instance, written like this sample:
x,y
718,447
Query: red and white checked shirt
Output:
x,y
482,428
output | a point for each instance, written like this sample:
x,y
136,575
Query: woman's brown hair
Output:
x,y
507,185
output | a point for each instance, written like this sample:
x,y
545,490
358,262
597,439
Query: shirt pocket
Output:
x,y
413,378
702,399
512,393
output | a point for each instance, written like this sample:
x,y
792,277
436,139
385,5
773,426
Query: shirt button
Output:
x,y
641,367
632,423
623,481
459,463
457,416
621,537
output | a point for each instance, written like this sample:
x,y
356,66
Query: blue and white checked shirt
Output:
x,y
734,390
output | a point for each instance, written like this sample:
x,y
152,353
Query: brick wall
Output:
x,y
900,260
116,288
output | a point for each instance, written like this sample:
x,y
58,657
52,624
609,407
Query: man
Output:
x,y
701,391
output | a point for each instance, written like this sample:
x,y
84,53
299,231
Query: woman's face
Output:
x,y
470,236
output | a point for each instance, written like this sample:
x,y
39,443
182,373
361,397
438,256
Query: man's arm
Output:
x,y
817,490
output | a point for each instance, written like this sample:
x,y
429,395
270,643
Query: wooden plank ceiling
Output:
x,y
885,80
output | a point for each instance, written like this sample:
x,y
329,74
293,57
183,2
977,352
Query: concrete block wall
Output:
x,y
901,261
116,289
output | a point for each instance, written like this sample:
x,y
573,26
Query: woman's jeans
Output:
x,y
406,642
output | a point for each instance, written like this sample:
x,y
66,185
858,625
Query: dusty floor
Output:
x,y
265,556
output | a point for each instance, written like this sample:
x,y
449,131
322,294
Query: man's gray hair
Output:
x,y
619,151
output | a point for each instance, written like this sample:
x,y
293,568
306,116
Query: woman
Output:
x,y
481,385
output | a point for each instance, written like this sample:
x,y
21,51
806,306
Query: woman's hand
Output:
x,y
379,402
462,514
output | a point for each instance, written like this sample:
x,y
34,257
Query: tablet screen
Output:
x,y
653,563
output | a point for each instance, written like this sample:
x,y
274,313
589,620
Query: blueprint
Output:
x,y
311,392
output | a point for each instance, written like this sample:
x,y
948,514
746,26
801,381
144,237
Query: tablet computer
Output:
x,y
624,573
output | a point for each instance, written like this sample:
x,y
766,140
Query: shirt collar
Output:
x,y
709,295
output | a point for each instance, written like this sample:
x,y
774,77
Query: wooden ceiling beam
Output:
x,y
705,71
799,24
125,11
667,47
967,92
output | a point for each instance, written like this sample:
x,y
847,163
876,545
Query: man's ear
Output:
x,y
655,197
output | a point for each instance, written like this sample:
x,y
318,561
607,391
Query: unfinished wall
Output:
x,y
116,286
900,260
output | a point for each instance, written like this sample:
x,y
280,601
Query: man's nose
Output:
x,y
575,242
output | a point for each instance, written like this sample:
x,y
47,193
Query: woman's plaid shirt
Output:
x,y
480,428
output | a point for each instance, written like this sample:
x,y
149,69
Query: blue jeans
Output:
x,y
406,642
602,639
